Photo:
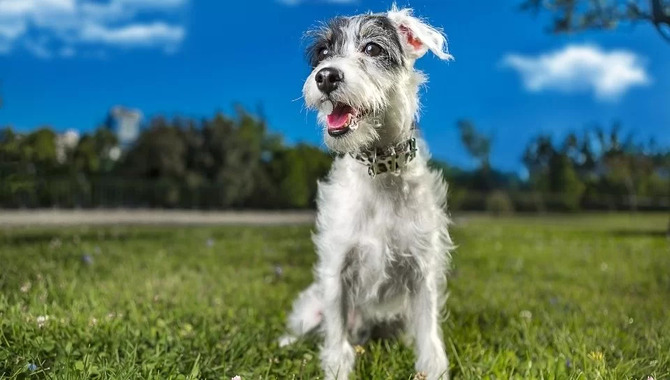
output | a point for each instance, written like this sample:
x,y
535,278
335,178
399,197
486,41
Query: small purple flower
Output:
x,y
32,367
278,270
210,242
568,363
87,259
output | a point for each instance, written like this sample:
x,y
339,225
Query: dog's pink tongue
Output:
x,y
339,118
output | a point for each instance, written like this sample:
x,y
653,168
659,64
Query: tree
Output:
x,y
94,156
158,155
580,15
553,173
478,146
159,152
628,168
476,143
235,148
27,162
295,171
9,145
40,149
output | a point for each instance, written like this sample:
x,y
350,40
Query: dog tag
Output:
x,y
327,107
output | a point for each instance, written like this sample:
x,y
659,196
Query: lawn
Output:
x,y
559,297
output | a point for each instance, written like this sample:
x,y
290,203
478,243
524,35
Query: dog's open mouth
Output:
x,y
343,119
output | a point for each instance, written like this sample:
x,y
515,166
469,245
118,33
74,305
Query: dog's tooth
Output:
x,y
351,123
327,107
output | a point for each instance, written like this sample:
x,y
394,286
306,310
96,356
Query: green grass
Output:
x,y
569,297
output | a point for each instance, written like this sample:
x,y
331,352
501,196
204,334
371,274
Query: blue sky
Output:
x,y
64,63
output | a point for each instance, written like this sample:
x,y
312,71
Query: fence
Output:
x,y
110,193
530,201
143,193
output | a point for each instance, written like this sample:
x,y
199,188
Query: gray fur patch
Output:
x,y
366,28
404,277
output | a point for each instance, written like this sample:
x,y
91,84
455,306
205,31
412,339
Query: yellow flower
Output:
x,y
359,350
420,376
596,356
186,330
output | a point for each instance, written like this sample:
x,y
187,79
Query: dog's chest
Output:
x,y
382,263
378,276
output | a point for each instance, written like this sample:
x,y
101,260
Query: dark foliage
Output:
x,y
579,15
234,163
219,163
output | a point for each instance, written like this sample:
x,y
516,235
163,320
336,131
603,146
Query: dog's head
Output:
x,y
363,81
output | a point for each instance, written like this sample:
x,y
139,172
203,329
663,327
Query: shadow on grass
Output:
x,y
636,233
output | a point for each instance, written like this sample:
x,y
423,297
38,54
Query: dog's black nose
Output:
x,y
328,79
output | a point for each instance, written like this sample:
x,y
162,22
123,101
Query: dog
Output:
x,y
381,227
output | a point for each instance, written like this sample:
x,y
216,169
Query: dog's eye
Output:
x,y
323,53
372,49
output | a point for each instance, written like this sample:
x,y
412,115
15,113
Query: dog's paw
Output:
x,y
434,368
338,362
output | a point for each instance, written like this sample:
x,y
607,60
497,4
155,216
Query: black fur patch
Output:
x,y
380,30
371,28
330,37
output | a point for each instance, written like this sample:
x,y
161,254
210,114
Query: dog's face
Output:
x,y
363,81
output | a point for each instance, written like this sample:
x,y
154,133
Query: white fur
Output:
x,y
382,242
432,39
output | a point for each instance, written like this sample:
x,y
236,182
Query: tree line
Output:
x,y
222,162
234,162
595,169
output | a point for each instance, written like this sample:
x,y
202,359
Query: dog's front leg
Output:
x,y
425,328
337,354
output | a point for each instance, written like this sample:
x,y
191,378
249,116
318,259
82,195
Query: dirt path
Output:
x,y
13,218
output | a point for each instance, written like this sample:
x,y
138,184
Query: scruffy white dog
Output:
x,y
382,236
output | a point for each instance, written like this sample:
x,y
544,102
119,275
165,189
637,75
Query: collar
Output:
x,y
391,159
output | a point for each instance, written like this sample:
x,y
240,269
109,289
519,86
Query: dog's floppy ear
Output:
x,y
417,36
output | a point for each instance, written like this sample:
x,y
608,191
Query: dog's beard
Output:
x,y
364,110
348,127
362,131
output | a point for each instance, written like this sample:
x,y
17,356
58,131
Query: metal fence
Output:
x,y
143,193
110,193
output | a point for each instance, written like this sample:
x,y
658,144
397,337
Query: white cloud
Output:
x,y
134,35
12,29
50,28
580,68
